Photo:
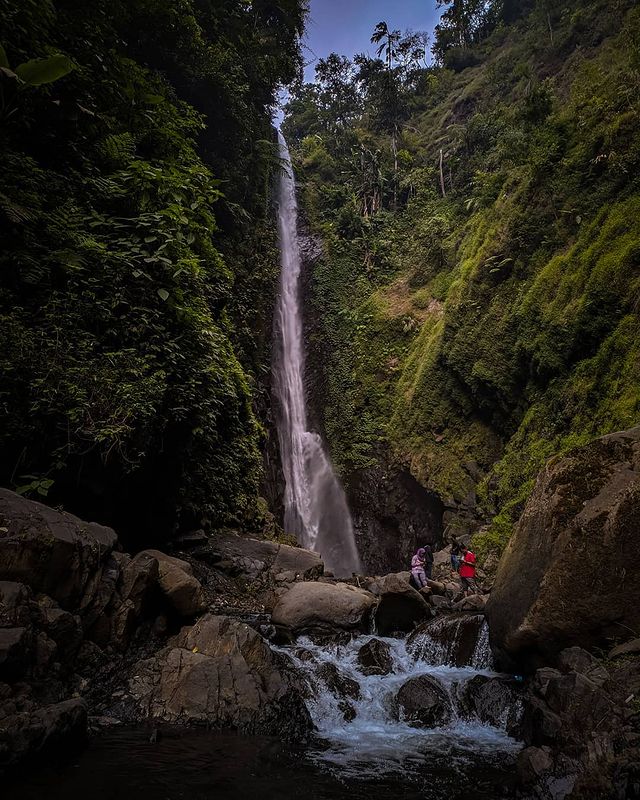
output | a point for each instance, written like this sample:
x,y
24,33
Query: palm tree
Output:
x,y
388,41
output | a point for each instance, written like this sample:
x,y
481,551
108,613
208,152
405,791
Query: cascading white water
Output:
x,y
316,510
375,737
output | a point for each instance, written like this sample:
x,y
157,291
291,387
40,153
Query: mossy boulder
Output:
x,y
570,573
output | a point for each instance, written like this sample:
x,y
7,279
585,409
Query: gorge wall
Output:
x,y
475,304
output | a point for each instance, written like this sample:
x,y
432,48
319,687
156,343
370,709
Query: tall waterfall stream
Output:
x,y
316,510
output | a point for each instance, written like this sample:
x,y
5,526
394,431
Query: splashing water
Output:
x,y
377,739
316,510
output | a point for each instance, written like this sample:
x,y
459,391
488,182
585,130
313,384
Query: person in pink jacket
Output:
x,y
417,568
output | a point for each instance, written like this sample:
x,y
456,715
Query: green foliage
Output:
x,y
492,328
132,345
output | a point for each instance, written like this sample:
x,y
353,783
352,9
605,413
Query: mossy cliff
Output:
x,y
485,315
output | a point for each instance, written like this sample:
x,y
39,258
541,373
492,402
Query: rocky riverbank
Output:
x,y
212,634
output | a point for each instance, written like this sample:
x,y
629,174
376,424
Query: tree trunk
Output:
x,y
444,194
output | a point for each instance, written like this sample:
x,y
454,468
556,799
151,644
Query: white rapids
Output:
x,y
316,510
376,741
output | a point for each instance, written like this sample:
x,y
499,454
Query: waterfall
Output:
x,y
316,510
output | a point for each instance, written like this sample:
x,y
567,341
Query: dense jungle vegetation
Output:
x,y
477,306
138,252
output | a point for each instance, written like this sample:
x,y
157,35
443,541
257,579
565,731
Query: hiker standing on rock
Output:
x,y
456,549
428,561
417,568
467,571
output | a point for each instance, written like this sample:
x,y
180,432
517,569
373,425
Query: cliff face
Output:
x,y
469,337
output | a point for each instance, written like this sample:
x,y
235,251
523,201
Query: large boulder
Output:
x,y
569,575
309,606
424,703
27,734
178,583
251,558
400,607
221,673
51,551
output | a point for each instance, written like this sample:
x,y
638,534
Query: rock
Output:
x,y
15,647
240,555
138,579
323,605
45,650
220,672
393,514
447,639
24,735
628,648
51,551
533,762
63,627
177,582
565,578
339,684
423,703
15,611
575,659
375,658
437,587
474,603
495,701
440,603
400,606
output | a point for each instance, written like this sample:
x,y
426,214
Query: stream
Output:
x,y
377,753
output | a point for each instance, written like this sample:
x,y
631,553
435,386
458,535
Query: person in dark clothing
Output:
x,y
428,561
456,552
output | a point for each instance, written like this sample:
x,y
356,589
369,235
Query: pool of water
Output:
x,y
198,765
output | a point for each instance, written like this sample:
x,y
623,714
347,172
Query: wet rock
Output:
x,y
447,639
440,603
24,735
339,684
424,703
631,647
348,711
177,582
222,673
565,579
495,701
400,606
375,658
15,647
51,551
330,605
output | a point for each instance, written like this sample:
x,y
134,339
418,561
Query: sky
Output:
x,y
345,26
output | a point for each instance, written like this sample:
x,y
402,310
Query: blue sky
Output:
x,y
345,26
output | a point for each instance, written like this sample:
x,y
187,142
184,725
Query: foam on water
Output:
x,y
376,739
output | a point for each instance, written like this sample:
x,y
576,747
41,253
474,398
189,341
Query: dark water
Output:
x,y
123,764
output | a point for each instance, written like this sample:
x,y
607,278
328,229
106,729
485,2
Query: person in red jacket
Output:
x,y
467,571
